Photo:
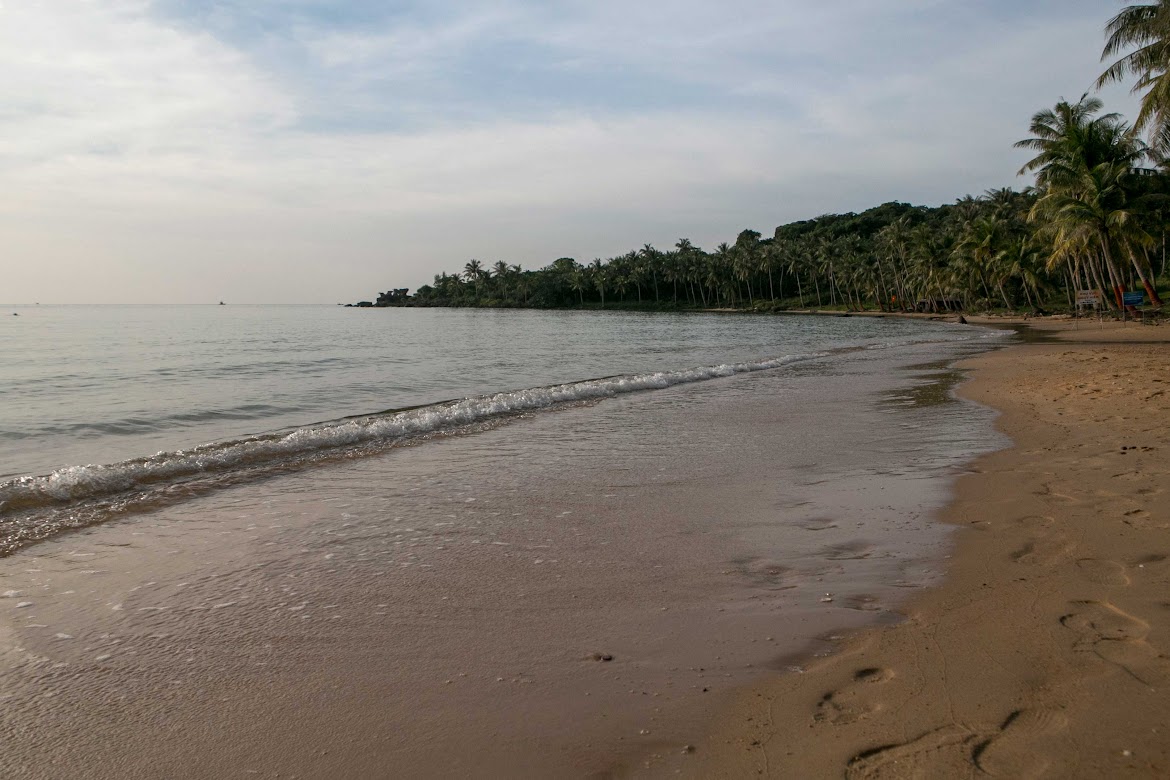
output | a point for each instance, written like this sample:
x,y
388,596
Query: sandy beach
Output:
x,y
554,596
1044,653
484,606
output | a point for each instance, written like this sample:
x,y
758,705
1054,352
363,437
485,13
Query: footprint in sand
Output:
x,y
1102,572
1006,750
872,674
1012,751
943,752
1141,518
1043,551
1046,492
1119,638
1035,521
854,702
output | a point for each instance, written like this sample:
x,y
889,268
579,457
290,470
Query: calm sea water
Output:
x,y
117,401
410,531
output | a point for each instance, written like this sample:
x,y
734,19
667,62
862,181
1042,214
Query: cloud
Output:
x,y
310,151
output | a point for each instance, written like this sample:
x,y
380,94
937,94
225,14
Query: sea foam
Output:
x,y
75,483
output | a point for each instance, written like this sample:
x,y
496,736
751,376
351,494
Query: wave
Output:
x,y
166,469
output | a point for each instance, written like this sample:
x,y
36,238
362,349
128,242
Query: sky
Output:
x,y
304,151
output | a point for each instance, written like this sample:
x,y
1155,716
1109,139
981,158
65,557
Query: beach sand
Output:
x,y
267,632
551,598
1045,652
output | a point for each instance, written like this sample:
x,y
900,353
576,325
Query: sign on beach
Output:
x,y
1133,298
1088,297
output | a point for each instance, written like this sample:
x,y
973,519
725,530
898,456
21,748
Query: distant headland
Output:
x,y
1003,250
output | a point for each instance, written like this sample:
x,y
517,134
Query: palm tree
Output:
x,y
684,252
620,283
651,256
473,272
895,239
580,282
1021,260
597,272
1081,167
978,245
723,260
501,272
794,262
1095,214
1070,138
637,271
1146,29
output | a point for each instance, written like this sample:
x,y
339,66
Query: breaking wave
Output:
x,y
165,470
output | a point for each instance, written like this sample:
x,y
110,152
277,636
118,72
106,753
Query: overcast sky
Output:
x,y
271,151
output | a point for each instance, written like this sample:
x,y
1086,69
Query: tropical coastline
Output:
x,y
871,484
548,592
1089,235
1046,651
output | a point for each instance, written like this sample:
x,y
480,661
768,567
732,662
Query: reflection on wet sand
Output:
x,y
568,595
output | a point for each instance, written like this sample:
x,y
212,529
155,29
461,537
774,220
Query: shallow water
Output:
x,y
436,608
109,410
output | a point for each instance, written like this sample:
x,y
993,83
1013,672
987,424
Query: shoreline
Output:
x,y
302,627
1043,651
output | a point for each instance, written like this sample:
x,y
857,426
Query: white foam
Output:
x,y
79,482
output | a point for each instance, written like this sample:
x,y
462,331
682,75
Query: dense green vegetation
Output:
x,y
1096,219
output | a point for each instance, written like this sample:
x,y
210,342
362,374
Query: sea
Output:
x,y
487,507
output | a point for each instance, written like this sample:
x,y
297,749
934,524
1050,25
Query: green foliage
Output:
x,y
1095,219
1003,250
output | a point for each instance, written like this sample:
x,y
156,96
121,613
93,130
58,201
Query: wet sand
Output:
x,y
1045,652
572,594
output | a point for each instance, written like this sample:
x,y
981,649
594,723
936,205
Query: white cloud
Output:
x,y
145,160
104,78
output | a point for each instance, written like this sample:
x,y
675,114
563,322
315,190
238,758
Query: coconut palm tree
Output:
x,y
979,243
651,256
598,273
1094,214
1145,28
580,282
1070,139
474,272
1081,168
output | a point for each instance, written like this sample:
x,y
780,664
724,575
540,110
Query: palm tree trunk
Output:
x,y
1163,272
1114,276
1006,302
1150,291
1099,281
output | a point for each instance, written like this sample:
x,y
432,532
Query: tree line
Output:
x,y
1095,219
